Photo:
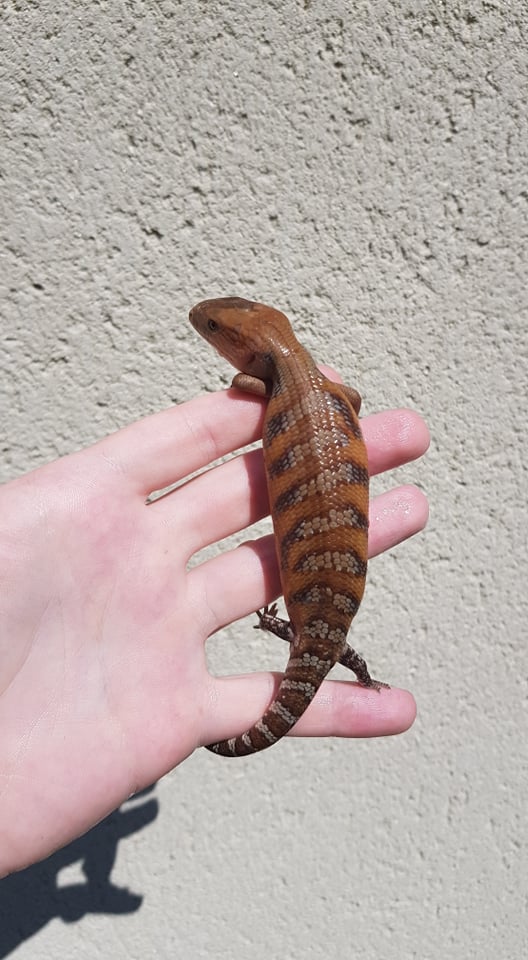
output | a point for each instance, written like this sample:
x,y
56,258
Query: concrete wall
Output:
x,y
363,167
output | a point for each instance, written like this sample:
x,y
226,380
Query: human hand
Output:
x,y
103,679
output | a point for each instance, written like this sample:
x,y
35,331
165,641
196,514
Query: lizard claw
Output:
x,y
376,684
268,611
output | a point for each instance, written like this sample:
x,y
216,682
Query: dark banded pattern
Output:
x,y
306,450
317,473
343,600
323,482
277,425
317,527
348,415
348,561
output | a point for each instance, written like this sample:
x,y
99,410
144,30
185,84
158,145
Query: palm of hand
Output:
x,y
103,680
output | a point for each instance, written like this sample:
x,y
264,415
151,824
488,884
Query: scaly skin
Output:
x,y
317,475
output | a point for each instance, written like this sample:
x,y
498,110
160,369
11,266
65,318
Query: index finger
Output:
x,y
170,445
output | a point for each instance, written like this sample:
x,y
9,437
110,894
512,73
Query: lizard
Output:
x,y
318,484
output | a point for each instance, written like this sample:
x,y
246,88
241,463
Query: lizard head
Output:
x,y
242,331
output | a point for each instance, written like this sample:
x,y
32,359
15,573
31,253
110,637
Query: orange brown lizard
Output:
x,y
318,484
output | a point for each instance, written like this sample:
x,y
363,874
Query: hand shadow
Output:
x,y
28,900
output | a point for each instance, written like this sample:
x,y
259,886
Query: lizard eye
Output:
x,y
212,325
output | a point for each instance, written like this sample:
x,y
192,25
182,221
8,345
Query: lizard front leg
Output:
x,y
250,384
353,396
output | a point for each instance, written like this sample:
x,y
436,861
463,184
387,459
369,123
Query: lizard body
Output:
x,y
317,475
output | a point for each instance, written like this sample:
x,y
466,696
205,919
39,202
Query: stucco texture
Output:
x,y
362,167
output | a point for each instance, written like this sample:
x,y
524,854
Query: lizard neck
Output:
x,y
292,364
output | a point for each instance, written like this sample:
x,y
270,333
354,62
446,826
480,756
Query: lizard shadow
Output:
x,y
33,897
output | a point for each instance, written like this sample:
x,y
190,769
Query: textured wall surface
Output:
x,y
363,167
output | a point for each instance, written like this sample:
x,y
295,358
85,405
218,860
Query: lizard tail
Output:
x,y
304,675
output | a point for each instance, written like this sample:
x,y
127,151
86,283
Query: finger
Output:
x,y
242,580
170,445
395,516
394,437
216,503
339,709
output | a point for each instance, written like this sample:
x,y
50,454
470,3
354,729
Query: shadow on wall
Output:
x,y
28,900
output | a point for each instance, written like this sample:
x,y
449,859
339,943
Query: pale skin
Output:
x,y
104,685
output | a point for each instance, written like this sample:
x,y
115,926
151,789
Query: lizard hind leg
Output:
x,y
354,662
269,621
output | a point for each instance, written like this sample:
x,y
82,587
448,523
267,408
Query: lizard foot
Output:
x,y
269,621
355,662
